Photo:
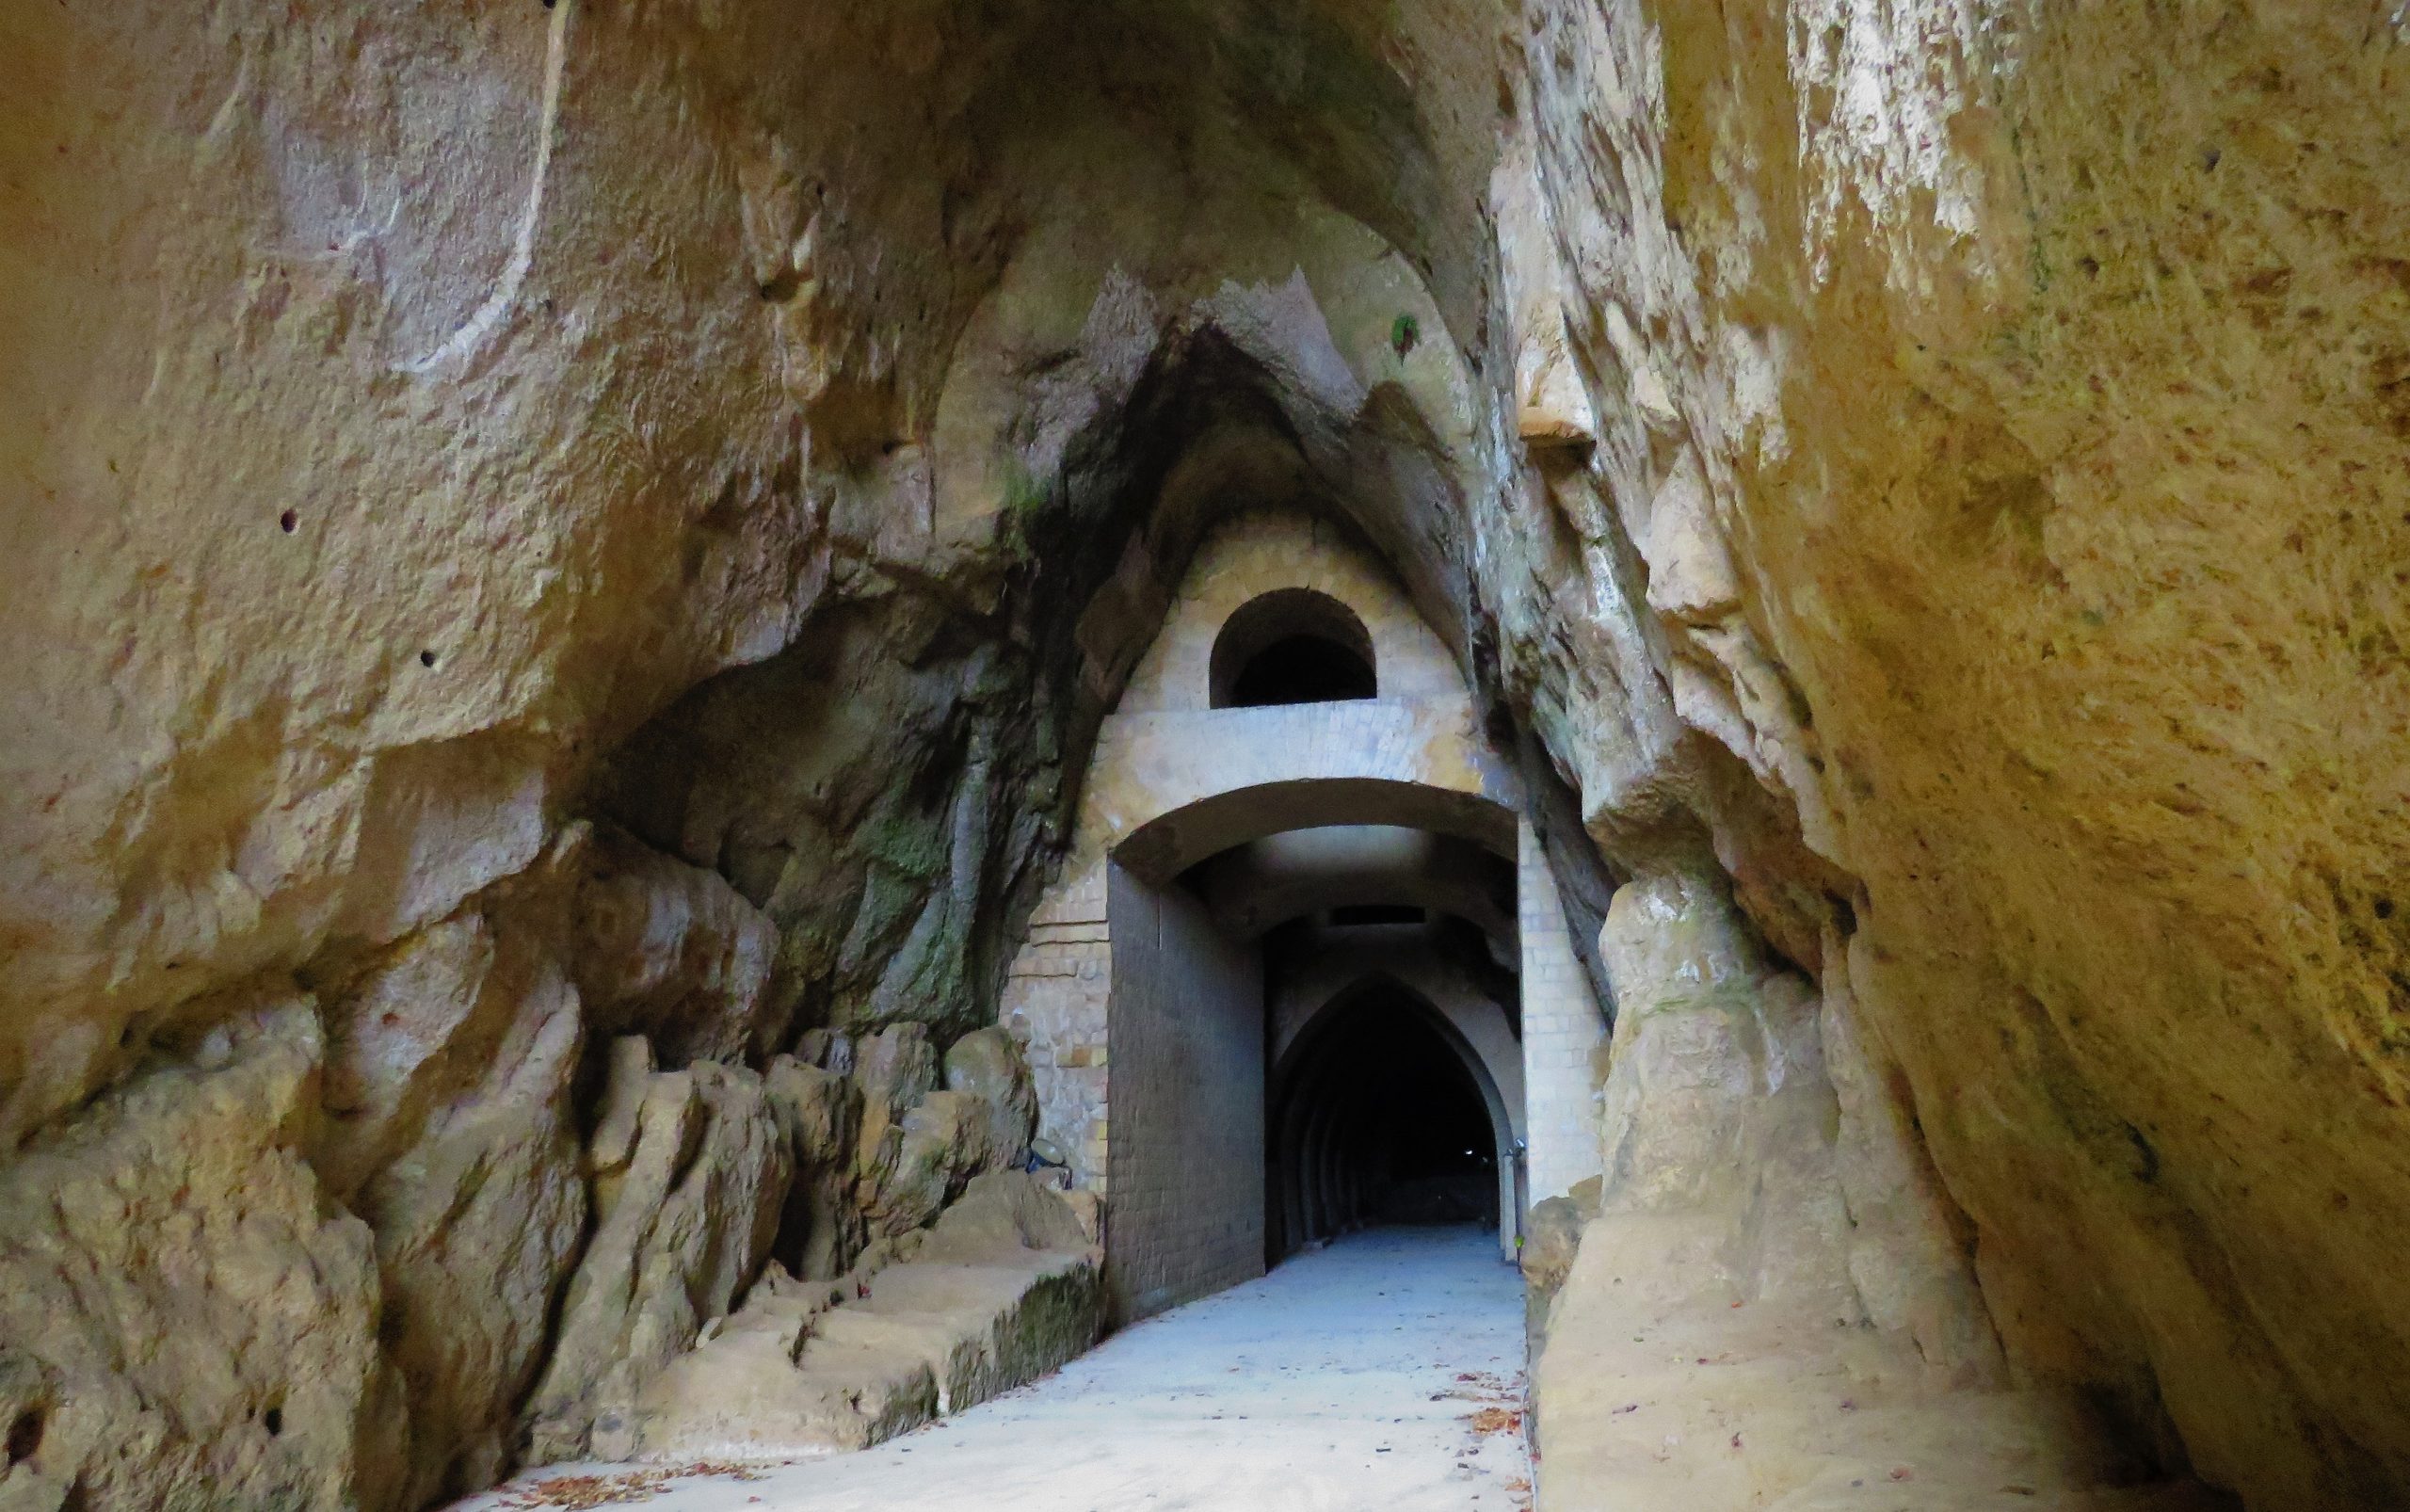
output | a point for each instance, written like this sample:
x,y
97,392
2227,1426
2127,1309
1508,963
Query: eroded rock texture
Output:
x,y
183,1317
688,1169
550,524
1997,488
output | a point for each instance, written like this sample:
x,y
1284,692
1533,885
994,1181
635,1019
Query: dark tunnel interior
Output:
x,y
1376,1118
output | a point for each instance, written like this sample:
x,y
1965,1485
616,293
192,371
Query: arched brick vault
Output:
x,y
1144,1012
1266,883
1165,846
1476,1026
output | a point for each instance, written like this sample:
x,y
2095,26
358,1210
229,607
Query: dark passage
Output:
x,y
1302,670
1375,1118
1293,646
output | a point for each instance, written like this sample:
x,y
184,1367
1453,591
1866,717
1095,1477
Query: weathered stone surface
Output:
x,y
987,1063
1907,1241
822,1109
1002,1211
1717,1110
672,952
403,1041
822,1229
741,1394
1730,1330
477,1226
917,1145
184,1322
1006,1287
2029,649
896,1067
946,1138
1551,1236
689,1171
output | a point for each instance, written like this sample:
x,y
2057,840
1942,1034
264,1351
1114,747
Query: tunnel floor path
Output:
x,y
1384,1372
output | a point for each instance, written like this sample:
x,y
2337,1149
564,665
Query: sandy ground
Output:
x,y
1351,1379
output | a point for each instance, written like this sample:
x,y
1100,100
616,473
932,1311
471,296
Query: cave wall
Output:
x,y
1938,466
412,405
566,551
2002,405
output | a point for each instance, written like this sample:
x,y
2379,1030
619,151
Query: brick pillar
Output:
x,y
1054,1004
1563,1032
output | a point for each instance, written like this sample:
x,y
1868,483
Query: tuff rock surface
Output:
x,y
543,524
1005,1287
688,1168
184,1318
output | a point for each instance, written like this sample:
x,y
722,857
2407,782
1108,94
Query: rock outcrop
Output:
x,y
1748,1318
689,1171
1973,464
1005,1287
709,1181
477,1225
183,1312
672,952
920,1145
450,1125
985,1064
823,1229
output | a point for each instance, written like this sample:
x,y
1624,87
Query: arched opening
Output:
x,y
1239,1126
1172,842
1380,1115
1293,646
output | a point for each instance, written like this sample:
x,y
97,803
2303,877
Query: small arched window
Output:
x,y
1293,646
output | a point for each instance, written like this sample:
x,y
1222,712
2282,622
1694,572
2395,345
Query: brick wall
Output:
x,y
1184,1165
1054,1003
1563,1033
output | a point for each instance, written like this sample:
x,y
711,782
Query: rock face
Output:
x,y
823,1229
920,1145
1926,477
182,1317
699,1176
1740,1323
477,1225
987,1063
450,1127
673,953
690,1170
1552,1239
1952,573
1006,1287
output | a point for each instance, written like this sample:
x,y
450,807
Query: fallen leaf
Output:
x,y
1496,1420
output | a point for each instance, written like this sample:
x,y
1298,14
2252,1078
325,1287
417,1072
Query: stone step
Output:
x,y
1006,1287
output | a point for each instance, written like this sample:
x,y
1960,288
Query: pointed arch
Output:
x,y
1304,1193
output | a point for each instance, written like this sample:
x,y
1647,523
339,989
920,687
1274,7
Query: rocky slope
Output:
x,y
535,525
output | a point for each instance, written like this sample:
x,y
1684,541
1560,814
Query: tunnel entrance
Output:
x,y
1314,1031
1305,969
1378,1117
